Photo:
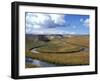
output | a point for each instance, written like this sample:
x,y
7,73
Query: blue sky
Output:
x,y
46,23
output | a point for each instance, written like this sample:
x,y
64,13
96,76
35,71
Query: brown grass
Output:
x,y
76,58
63,59
27,65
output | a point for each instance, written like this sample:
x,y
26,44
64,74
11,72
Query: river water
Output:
x,y
39,63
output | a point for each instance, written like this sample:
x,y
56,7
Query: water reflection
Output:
x,y
39,63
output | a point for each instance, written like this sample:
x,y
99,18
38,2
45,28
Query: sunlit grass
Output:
x,y
79,58
29,65
63,51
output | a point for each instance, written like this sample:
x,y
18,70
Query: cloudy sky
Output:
x,y
44,23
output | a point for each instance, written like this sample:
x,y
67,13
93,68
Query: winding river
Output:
x,y
45,64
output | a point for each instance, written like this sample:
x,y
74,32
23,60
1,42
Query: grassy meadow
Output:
x,y
63,51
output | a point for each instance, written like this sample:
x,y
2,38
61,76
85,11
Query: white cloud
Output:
x,y
85,22
37,26
58,19
81,20
42,20
48,31
72,33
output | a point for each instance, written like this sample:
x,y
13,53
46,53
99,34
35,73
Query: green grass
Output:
x,y
31,44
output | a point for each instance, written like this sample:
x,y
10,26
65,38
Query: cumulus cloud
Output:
x,y
42,20
85,22
58,19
